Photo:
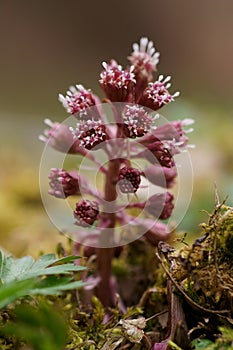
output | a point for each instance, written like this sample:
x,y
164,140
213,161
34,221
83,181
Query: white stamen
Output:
x,y
61,98
72,89
135,47
131,69
188,121
168,78
176,94
104,64
149,47
160,78
179,143
42,138
152,51
49,122
189,131
72,129
80,87
143,44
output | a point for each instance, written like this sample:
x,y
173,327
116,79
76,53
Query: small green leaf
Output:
x,y
42,328
44,261
67,259
1,263
13,291
54,286
15,269
201,343
58,269
173,346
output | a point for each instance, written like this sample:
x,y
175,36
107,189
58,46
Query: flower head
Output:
x,y
63,183
179,126
60,138
160,205
129,180
78,100
117,83
158,231
158,152
136,121
86,212
161,175
155,231
156,95
173,135
161,152
144,57
90,133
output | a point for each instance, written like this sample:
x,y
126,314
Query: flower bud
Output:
x,y
86,212
136,121
63,184
158,152
118,84
156,95
78,101
144,58
60,137
129,180
90,133
160,176
160,205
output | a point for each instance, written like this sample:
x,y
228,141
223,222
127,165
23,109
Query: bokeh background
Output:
x,y
46,46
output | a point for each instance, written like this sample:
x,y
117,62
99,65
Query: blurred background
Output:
x,y
46,46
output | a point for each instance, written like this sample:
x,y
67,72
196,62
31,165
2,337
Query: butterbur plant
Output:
x,y
133,154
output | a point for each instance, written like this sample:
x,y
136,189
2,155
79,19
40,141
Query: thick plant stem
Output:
x,y
104,262
105,254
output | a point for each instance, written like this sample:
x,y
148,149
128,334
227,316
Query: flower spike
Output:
x,y
126,205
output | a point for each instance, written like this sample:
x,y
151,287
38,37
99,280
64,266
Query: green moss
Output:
x,y
204,269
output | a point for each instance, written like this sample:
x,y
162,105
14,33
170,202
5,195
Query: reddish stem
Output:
x,y
104,255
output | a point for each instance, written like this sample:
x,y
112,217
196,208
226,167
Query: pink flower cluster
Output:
x,y
133,135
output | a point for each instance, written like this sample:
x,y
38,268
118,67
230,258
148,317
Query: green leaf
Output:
x,y
13,291
54,286
67,259
26,267
42,328
201,343
1,262
173,346
227,334
12,269
44,261
25,276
